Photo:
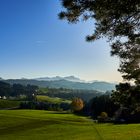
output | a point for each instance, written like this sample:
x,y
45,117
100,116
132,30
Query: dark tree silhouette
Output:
x,y
119,21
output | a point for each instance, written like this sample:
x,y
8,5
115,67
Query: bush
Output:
x,y
103,117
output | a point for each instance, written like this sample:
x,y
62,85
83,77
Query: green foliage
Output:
x,y
102,103
43,102
42,90
119,21
104,115
115,20
112,18
127,96
17,90
5,89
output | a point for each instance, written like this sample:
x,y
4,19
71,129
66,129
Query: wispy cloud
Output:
x,y
41,43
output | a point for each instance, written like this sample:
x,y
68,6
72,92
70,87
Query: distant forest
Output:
x,y
16,90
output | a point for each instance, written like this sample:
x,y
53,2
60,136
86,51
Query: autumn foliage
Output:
x,y
77,104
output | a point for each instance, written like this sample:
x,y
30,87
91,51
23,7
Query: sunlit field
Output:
x,y
46,125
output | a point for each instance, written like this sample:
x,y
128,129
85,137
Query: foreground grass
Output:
x,y
45,125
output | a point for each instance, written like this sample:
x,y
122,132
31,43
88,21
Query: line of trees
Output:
x,y
16,90
69,94
45,106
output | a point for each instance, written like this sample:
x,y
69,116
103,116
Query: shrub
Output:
x,y
103,117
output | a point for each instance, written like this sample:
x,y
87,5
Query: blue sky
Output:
x,y
35,43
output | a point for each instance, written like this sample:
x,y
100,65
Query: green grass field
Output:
x,y
44,98
45,125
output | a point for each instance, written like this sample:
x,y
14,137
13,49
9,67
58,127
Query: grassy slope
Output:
x,y
51,99
15,103
44,125
8,103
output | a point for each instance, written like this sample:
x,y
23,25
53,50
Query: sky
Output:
x,y
35,43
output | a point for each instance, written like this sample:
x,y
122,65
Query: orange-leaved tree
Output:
x,y
77,104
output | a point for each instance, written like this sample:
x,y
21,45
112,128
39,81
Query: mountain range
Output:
x,y
56,78
69,82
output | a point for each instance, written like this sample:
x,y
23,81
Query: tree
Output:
x,y
17,90
117,20
5,89
127,96
77,104
31,91
103,117
102,104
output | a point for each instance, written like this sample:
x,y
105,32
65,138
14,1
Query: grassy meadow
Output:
x,y
46,125
44,98
8,103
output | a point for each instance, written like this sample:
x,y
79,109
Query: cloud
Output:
x,y
41,43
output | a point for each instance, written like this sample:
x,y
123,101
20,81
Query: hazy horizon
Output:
x,y
55,76
35,43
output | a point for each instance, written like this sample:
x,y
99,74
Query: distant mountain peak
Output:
x,y
56,78
73,79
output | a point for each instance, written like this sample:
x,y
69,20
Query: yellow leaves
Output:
x,y
77,104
